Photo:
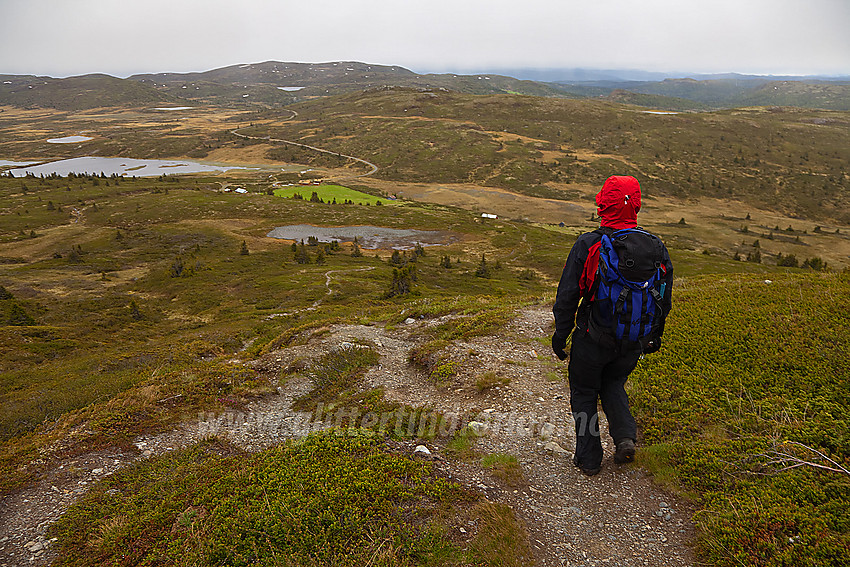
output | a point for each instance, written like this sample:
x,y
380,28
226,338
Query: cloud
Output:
x,y
128,36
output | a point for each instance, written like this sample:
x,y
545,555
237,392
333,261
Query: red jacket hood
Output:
x,y
619,202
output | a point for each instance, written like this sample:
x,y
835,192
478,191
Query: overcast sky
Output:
x,y
122,37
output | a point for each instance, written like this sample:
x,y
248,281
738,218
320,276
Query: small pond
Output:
x,y
370,237
69,140
120,166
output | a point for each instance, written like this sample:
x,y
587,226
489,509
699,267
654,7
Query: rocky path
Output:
x,y
618,517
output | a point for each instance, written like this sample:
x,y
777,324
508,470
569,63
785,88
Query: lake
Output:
x,y
120,166
370,237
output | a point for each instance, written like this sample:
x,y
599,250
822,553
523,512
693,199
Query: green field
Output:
x,y
332,193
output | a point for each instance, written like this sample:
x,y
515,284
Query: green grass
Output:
x,y
746,366
330,193
506,468
335,498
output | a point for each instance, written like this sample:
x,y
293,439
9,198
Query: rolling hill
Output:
x,y
725,92
77,93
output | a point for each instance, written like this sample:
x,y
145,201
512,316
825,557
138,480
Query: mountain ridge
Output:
x,y
276,83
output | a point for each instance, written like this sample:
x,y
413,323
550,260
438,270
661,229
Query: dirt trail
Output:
x,y
618,517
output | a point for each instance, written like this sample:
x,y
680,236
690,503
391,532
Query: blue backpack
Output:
x,y
626,307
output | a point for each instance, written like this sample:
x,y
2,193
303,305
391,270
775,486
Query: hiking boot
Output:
x,y
590,472
587,471
625,452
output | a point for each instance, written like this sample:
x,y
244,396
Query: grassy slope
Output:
x,y
751,367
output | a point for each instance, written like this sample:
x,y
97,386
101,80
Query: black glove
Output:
x,y
652,346
559,343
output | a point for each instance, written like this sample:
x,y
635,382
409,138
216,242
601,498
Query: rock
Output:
x,y
97,471
36,546
554,447
546,431
663,505
422,450
478,428
409,321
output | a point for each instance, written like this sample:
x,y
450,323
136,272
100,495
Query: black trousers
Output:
x,y
599,373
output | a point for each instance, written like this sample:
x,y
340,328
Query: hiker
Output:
x,y
612,323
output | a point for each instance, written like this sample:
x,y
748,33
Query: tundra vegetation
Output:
x,y
124,301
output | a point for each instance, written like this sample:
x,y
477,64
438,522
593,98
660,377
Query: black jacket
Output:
x,y
575,286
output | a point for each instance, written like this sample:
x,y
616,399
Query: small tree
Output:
x,y
817,264
243,251
483,270
135,313
397,259
402,282
320,256
446,262
17,316
789,261
355,250
177,267
301,256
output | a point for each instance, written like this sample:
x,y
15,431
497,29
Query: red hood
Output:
x,y
619,202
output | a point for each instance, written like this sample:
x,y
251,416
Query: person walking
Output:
x,y
613,298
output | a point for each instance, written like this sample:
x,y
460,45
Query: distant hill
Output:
x,y
275,82
655,101
731,92
77,93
